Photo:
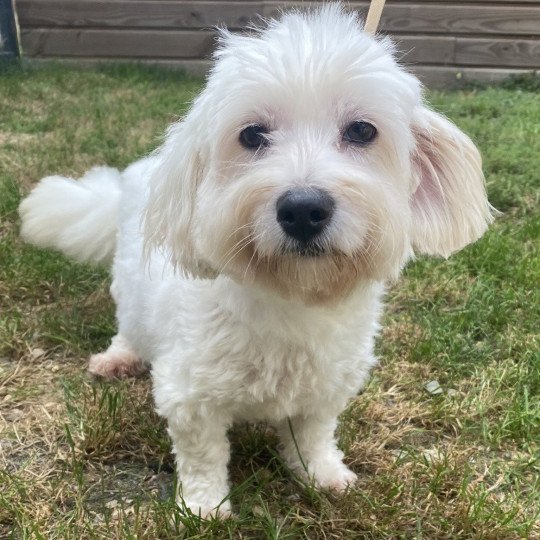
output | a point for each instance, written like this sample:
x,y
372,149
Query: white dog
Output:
x,y
251,250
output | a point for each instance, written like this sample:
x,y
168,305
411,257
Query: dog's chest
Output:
x,y
284,383
272,375
254,357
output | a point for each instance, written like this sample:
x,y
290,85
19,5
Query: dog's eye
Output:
x,y
360,133
254,137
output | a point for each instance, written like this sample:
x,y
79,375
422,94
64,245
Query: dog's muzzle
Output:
x,y
303,214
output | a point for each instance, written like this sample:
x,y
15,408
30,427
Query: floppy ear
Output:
x,y
174,180
449,205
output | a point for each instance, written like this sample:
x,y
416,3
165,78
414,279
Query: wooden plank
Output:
x,y
114,43
184,44
401,17
273,8
409,18
504,52
444,18
462,20
466,51
456,76
135,14
423,49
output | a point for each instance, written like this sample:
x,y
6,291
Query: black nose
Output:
x,y
304,213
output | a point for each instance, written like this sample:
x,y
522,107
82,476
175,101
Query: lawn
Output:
x,y
459,458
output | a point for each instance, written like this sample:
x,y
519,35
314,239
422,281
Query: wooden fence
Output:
x,y
441,41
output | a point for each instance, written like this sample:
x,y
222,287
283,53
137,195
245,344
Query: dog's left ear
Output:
x,y
449,203
174,180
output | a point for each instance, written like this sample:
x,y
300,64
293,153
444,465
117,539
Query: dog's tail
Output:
x,y
78,218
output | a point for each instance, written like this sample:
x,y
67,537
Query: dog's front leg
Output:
x,y
202,454
310,449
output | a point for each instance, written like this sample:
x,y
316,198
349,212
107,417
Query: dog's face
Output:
x,y
309,164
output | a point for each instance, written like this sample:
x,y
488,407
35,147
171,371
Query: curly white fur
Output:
x,y
235,326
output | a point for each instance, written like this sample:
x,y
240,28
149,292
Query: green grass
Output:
x,y
80,459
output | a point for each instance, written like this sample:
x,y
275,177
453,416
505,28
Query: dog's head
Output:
x,y
309,163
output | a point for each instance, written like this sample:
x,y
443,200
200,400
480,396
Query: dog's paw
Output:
x,y
340,481
204,511
335,477
117,362
115,366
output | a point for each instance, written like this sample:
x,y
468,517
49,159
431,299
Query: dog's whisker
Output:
x,y
239,246
239,229
253,255
234,251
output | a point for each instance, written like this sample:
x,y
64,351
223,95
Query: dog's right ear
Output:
x,y
174,181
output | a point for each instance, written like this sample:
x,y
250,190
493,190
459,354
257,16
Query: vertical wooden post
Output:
x,y
374,16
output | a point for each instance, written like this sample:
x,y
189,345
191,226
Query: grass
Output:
x,y
80,459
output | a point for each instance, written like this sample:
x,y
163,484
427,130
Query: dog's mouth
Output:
x,y
304,249
315,272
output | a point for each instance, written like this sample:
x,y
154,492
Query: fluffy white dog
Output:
x,y
251,250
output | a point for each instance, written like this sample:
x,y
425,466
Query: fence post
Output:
x,y
9,44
